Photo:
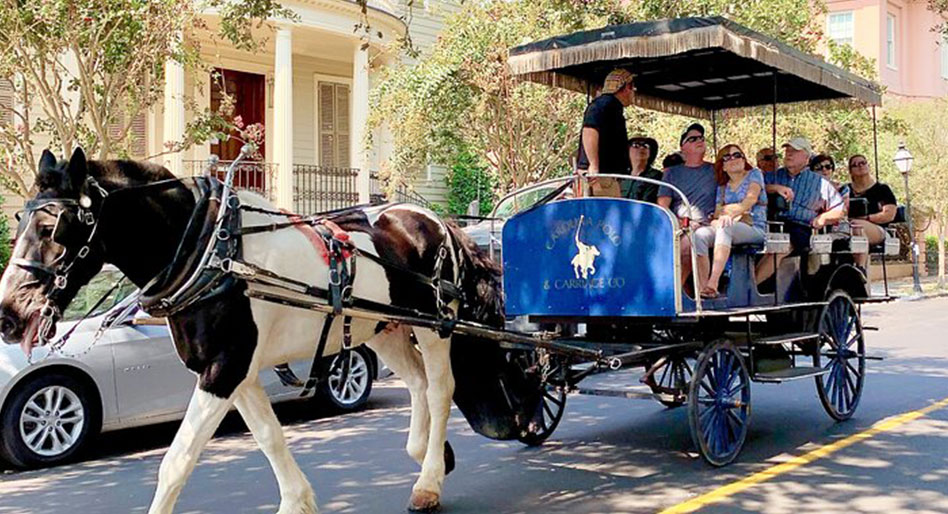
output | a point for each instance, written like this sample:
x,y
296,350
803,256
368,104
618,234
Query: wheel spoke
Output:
x,y
30,418
64,437
33,406
31,438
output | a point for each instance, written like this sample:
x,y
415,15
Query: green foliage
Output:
x,y
468,181
4,240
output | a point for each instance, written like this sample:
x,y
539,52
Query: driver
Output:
x,y
604,146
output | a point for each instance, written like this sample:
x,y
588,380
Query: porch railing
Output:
x,y
256,176
315,188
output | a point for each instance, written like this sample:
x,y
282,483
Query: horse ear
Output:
x,y
47,162
77,168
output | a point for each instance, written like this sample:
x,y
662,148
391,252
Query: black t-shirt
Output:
x,y
877,196
605,115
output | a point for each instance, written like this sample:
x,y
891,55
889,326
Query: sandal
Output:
x,y
709,294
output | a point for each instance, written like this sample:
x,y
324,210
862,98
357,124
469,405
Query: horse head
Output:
x,y
56,250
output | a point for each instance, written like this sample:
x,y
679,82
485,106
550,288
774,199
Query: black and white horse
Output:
x,y
81,219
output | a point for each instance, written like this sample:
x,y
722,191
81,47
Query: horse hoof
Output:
x,y
424,501
448,458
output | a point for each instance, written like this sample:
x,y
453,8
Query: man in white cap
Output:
x,y
814,202
604,145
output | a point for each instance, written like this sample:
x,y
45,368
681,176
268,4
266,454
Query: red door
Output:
x,y
248,93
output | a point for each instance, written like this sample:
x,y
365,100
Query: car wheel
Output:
x,y
352,393
47,420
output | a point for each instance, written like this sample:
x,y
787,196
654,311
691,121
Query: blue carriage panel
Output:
x,y
591,257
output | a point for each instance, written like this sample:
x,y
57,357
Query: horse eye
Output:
x,y
46,231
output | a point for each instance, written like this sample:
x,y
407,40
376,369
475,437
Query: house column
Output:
x,y
283,118
359,117
173,126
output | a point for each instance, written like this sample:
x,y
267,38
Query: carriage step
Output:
x,y
787,338
787,374
632,395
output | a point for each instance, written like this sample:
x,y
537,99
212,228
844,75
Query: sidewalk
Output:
x,y
902,288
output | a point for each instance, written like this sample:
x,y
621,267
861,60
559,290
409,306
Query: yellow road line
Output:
x,y
785,467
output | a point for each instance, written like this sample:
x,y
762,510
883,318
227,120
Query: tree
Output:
x,y
927,137
81,71
460,96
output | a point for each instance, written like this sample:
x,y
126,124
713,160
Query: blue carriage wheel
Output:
x,y
719,403
841,353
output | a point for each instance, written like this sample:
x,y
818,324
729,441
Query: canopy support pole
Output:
x,y
875,158
773,124
714,132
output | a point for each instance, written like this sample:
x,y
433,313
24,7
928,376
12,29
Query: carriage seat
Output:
x,y
892,245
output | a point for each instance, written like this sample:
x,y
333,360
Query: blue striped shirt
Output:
x,y
812,194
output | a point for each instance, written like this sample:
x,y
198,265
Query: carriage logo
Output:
x,y
584,262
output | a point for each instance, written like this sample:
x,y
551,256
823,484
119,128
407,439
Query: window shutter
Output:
x,y
326,124
138,134
6,102
342,125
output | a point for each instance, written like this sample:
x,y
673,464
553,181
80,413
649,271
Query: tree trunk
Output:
x,y
942,232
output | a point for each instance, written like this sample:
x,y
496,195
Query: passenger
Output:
x,y
642,154
826,166
740,217
814,202
695,179
672,159
766,160
604,144
882,205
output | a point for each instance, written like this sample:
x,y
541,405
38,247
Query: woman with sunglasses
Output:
x,y
740,216
881,208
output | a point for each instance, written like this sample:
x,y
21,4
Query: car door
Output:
x,y
150,379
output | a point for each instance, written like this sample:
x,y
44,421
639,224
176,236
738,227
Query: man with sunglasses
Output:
x,y
814,202
766,160
603,146
695,178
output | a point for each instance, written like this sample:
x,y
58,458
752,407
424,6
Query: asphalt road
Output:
x,y
608,455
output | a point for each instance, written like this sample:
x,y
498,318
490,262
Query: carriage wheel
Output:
x,y
552,402
672,378
547,417
842,351
719,403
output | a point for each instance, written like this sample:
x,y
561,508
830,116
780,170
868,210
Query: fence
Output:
x,y
256,176
315,188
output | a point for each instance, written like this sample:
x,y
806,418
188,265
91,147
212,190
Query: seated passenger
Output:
x,y
766,160
814,202
740,217
642,154
695,179
881,204
672,159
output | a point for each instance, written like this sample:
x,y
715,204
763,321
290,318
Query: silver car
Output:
x,y
132,376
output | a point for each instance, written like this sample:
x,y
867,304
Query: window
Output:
x,y
944,58
839,27
6,102
333,106
890,40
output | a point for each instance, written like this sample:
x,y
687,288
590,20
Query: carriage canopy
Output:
x,y
690,66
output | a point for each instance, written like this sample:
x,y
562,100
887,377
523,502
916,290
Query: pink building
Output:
x,y
912,59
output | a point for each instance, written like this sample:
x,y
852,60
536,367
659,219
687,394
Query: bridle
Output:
x,y
55,277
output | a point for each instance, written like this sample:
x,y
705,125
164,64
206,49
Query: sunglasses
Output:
x,y
731,156
694,139
769,158
638,144
827,167
858,164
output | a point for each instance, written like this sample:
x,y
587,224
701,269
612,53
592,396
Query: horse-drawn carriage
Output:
x,y
591,284
603,274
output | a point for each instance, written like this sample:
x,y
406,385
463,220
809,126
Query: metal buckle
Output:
x,y
223,235
60,282
88,218
83,252
334,277
226,265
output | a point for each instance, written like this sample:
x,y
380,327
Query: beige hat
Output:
x,y
615,80
800,143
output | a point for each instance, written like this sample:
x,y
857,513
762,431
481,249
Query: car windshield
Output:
x,y
521,201
90,293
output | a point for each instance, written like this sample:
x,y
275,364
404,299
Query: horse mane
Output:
x,y
482,281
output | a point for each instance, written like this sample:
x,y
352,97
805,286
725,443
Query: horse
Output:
x,y
136,215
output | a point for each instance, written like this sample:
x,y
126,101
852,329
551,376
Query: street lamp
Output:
x,y
903,161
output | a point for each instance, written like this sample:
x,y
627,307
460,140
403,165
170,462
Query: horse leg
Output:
x,y
204,414
436,353
296,494
393,346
